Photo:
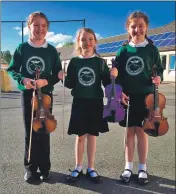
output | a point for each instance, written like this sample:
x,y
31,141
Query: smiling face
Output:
x,y
137,29
87,42
38,28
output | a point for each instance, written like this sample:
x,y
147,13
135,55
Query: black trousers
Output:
x,y
40,145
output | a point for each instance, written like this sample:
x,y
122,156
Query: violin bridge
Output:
x,y
42,117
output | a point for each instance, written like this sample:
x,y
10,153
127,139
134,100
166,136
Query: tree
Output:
x,y
68,44
7,56
1,57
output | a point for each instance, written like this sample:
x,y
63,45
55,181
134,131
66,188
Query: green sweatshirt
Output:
x,y
134,66
26,58
84,77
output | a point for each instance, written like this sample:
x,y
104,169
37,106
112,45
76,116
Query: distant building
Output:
x,y
163,37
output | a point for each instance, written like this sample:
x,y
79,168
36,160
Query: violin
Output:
x,y
155,124
42,104
113,110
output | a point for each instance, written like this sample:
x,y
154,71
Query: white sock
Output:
x,y
142,167
77,167
128,165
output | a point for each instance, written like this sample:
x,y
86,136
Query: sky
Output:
x,y
106,18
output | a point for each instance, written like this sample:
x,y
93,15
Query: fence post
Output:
x,y
22,31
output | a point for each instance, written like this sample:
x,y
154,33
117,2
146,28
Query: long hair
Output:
x,y
78,49
137,14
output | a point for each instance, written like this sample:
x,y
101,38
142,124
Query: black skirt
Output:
x,y
137,111
87,117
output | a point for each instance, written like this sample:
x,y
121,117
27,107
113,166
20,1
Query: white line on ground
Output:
x,y
140,189
168,186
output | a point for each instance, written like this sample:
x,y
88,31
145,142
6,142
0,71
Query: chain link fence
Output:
x,y
16,32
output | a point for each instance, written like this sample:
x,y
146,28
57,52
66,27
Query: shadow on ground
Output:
x,y
112,186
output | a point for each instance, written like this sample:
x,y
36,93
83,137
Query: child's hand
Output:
x,y
156,80
28,83
125,99
114,72
41,83
61,75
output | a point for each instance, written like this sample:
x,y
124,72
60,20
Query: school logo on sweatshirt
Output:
x,y
86,76
134,65
33,63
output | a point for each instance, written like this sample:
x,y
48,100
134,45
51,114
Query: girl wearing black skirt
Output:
x,y
85,74
135,61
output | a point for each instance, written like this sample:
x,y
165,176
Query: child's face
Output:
x,y
38,28
137,29
87,42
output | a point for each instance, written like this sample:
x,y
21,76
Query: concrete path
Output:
x,y
109,157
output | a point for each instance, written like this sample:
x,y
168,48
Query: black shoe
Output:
x,y
125,179
143,181
45,177
95,179
29,177
71,178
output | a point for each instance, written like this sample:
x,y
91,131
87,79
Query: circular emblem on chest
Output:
x,y
134,65
33,63
86,76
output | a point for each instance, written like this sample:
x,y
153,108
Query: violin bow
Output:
x,y
64,70
113,80
154,70
32,115
127,117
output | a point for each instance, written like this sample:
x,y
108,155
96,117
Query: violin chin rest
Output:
x,y
151,132
37,124
113,115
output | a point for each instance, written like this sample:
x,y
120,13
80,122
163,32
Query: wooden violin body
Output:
x,y
43,118
155,124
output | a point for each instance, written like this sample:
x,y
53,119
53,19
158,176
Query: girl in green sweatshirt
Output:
x,y
134,62
85,74
35,53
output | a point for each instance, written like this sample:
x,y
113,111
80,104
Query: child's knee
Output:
x,y
81,139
